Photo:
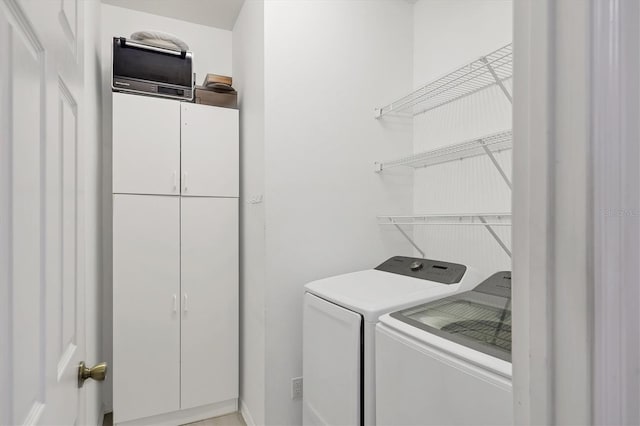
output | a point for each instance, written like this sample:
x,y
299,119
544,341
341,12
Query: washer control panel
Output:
x,y
498,284
416,266
424,269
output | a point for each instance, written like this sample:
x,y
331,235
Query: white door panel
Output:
x,y
146,292
210,314
331,354
210,151
146,145
27,262
41,212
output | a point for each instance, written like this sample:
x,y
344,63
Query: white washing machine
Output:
x,y
340,314
448,362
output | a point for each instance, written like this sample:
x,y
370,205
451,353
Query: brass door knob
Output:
x,y
98,372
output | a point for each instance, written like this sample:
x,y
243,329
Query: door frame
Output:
x,y
552,213
6,375
576,235
616,209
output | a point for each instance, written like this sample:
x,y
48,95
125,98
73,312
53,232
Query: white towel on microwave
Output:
x,y
160,39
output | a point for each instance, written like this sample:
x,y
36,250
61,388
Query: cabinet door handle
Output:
x,y
186,299
184,181
175,180
175,303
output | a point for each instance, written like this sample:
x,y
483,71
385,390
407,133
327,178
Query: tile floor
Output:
x,y
233,419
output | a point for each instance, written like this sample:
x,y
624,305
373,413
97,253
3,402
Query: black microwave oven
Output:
x,y
151,70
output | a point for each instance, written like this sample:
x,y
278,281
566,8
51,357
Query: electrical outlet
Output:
x,y
296,388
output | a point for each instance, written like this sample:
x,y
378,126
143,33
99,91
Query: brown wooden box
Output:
x,y
208,97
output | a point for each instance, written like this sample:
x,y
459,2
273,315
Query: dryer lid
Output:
x,y
479,319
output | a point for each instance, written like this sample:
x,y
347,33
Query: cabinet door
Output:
x,y
209,300
210,150
146,292
146,145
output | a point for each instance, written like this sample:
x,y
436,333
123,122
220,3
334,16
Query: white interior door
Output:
x,y
41,212
210,150
146,319
210,317
146,145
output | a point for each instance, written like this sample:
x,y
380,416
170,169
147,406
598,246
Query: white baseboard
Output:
x,y
246,414
101,414
189,415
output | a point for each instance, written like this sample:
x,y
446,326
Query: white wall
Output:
x,y
447,34
212,53
93,391
248,79
328,64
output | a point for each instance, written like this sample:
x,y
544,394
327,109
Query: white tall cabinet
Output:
x,y
175,260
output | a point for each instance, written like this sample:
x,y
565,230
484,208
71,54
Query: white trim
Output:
x,y
531,204
616,208
6,340
246,414
186,416
101,413
108,408
552,213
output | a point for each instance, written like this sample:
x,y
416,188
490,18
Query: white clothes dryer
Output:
x,y
448,362
340,314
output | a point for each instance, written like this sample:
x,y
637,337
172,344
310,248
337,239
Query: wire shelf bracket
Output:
x,y
413,243
489,70
487,220
495,163
498,80
495,236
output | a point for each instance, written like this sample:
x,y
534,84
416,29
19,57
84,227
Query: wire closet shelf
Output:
x,y
487,220
486,71
482,219
495,142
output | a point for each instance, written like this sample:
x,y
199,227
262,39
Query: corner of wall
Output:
x,y
248,79
246,414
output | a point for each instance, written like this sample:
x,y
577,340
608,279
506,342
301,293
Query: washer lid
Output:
x,y
479,319
373,293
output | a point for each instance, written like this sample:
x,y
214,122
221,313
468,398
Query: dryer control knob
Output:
x,y
416,266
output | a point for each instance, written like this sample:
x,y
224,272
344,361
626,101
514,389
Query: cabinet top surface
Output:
x,y
183,103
